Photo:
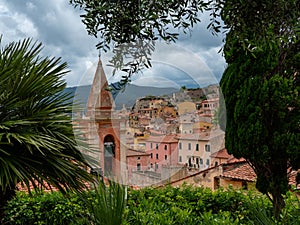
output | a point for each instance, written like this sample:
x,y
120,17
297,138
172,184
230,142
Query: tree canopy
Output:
x,y
261,90
130,28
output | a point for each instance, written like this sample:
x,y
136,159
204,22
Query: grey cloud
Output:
x,y
58,26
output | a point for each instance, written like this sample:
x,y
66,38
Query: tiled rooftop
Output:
x,y
240,172
133,152
169,138
221,154
292,177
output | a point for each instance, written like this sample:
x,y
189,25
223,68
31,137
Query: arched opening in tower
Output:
x,y
109,154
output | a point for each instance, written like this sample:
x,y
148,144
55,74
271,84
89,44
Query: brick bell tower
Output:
x,y
104,132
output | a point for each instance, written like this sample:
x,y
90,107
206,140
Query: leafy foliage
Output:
x,y
37,144
107,203
131,27
47,208
169,205
261,90
187,205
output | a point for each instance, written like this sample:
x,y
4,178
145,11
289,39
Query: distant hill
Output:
x,y
127,97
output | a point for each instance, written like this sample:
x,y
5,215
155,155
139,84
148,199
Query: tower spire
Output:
x,y
100,101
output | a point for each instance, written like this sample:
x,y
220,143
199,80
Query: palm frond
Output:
x,y
37,141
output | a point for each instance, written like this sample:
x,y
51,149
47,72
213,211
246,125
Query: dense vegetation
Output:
x,y
261,90
169,205
37,142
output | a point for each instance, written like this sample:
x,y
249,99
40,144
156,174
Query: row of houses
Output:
x,y
159,142
167,138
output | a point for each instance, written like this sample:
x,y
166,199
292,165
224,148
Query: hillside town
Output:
x,y
173,139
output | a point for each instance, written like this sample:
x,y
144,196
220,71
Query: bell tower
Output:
x,y
104,132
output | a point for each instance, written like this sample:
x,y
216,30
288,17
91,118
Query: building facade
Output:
x,y
163,151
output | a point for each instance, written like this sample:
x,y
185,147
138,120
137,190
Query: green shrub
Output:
x,y
169,205
184,205
106,203
47,208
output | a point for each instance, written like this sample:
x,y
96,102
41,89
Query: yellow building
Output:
x,y
185,107
140,139
169,111
201,125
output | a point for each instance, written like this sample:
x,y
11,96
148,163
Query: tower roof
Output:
x,y
100,98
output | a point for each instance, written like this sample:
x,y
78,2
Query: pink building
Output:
x,y
163,151
136,160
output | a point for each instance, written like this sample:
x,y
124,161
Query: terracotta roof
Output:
x,y
155,132
223,154
196,136
45,187
211,100
169,138
292,177
133,152
206,115
245,172
235,160
242,171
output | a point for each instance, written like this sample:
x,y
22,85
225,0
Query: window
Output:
x,y
179,145
201,161
197,147
180,158
166,147
151,155
190,161
197,160
156,166
166,157
244,185
216,163
189,146
138,158
156,146
138,167
207,148
151,165
207,162
156,156
151,146
216,183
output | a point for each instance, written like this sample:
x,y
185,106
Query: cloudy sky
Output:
x,y
193,60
